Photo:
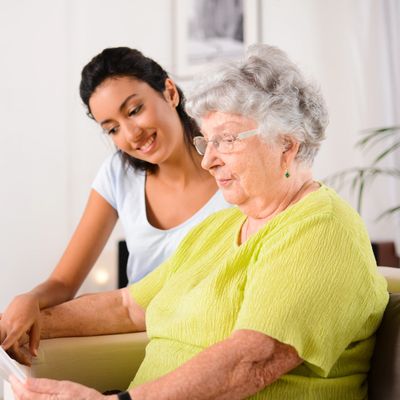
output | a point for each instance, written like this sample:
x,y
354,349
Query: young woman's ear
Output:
x,y
171,93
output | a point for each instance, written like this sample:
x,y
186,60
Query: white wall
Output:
x,y
51,150
33,163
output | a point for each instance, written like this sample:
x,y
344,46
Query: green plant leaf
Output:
x,y
383,129
388,212
359,178
387,151
374,136
361,186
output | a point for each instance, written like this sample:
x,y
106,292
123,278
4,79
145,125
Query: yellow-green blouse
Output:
x,y
308,278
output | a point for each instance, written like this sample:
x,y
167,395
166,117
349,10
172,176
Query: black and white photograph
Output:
x,y
212,30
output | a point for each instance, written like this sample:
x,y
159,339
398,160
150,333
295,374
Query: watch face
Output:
x,y
124,396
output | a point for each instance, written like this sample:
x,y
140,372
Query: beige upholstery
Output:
x,y
103,362
111,361
392,276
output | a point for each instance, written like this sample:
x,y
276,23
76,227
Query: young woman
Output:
x,y
154,183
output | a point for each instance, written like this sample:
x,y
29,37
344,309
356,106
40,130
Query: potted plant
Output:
x,y
359,178
383,142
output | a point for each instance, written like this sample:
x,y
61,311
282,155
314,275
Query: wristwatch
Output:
x,y
124,396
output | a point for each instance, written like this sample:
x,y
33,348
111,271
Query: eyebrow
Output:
x,y
223,127
121,107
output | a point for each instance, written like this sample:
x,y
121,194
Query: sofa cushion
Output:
x,y
384,375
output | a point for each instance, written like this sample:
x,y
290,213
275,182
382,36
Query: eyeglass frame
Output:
x,y
217,142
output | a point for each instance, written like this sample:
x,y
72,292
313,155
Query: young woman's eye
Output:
x,y
110,131
135,110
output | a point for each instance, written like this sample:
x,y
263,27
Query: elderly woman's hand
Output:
x,y
48,389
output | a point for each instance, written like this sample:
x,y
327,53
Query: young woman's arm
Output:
x,y
22,315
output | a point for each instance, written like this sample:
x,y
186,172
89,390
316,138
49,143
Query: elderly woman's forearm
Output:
x,y
232,369
92,314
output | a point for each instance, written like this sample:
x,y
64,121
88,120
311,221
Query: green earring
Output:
x,y
287,174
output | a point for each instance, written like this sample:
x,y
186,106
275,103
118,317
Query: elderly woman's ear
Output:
x,y
290,148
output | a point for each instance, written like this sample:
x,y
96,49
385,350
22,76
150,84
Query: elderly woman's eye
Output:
x,y
228,139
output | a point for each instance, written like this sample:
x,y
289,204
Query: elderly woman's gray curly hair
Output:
x,y
267,87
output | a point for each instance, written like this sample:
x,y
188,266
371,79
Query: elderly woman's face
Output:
x,y
251,169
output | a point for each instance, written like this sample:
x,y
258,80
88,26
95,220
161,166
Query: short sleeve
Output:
x,y
310,290
105,180
146,289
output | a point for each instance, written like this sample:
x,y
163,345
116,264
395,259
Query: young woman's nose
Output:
x,y
131,131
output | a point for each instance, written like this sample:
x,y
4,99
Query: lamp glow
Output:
x,y
101,276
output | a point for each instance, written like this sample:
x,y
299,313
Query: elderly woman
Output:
x,y
277,298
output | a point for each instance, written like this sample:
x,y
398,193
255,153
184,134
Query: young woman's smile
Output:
x,y
149,145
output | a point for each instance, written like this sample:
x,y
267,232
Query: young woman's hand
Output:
x,y
21,318
48,389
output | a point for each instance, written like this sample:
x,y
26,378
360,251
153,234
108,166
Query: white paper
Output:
x,y
9,367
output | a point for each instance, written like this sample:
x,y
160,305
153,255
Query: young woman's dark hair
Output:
x,y
127,62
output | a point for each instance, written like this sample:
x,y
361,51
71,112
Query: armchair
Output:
x,y
110,362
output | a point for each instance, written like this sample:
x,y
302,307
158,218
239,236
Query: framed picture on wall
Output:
x,y
207,31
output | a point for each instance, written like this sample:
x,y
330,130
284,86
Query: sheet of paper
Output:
x,y
9,367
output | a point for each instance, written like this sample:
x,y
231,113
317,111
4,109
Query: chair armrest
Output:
x,y
392,276
102,362
107,362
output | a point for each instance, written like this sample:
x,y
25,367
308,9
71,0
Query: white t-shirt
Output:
x,y
124,188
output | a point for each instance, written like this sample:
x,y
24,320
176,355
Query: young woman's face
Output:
x,y
141,122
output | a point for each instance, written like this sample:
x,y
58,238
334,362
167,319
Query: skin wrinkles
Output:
x,y
246,175
263,360
137,316
92,314
232,369
252,175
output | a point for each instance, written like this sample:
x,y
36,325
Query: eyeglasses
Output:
x,y
223,144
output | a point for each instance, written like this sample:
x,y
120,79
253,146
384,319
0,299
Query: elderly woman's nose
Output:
x,y
210,157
